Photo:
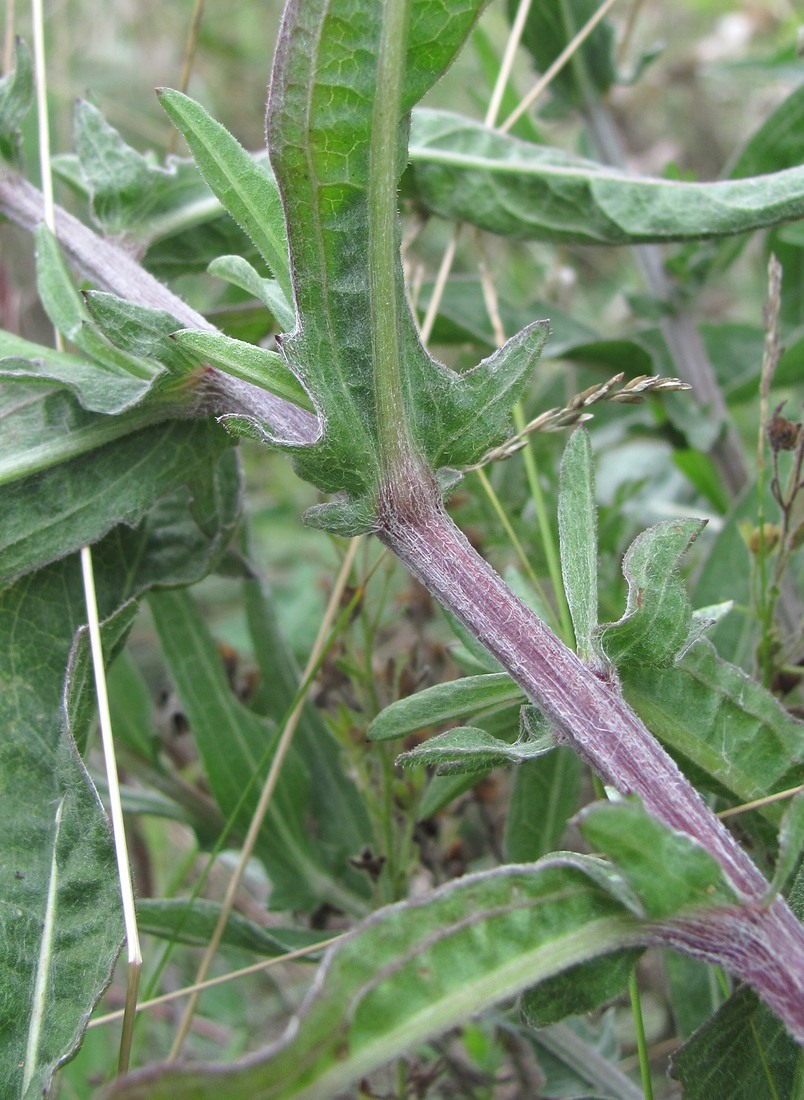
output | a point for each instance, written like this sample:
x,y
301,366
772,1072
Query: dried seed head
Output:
x,y
783,434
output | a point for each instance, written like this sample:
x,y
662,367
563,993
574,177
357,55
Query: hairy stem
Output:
x,y
590,714
109,267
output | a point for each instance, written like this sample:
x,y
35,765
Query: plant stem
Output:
x,y
396,447
590,714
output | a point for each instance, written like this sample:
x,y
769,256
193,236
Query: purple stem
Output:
x,y
762,944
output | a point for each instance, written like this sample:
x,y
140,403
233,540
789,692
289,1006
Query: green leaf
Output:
x,y
246,189
193,921
338,809
580,990
465,172
579,1059
60,908
667,870
51,513
725,728
120,181
140,330
657,623
66,309
742,1052
544,797
67,862
397,973
577,531
468,749
320,123
791,845
16,98
239,272
264,368
549,29
236,747
443,703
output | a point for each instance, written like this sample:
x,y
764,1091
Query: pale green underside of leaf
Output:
x,y
468,749
466,172
443,958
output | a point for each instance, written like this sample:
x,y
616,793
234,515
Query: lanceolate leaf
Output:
x,y
549,29
474,942
466,172
264,368
444,703
192,921
246,189
236,747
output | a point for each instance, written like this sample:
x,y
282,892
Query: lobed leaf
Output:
x,y
121,183
658,621
320,122
468,749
